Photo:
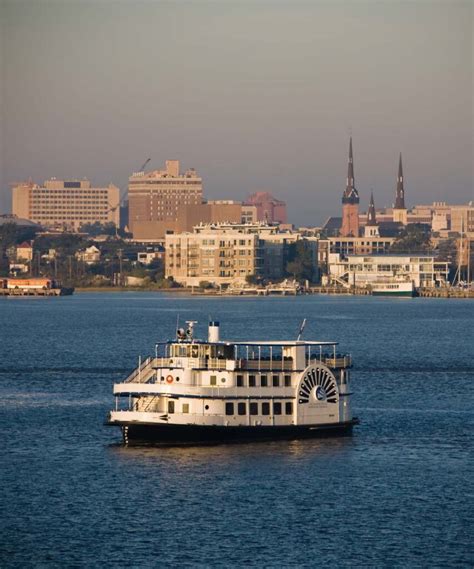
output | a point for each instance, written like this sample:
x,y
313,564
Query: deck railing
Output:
x,y
136,373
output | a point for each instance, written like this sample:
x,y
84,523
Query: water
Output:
x,y
398,493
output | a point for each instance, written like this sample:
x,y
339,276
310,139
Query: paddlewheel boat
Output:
x,y
194,391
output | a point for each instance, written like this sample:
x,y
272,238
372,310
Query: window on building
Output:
x,y
251,381
287,380
254,408
275,381
266,408
240,381
276,408
229,408
170,406
289,408
213,380
242,408
263,380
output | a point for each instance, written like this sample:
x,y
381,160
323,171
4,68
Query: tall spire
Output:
x,y
371,218
350,194
400,193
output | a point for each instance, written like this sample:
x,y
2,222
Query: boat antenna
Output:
x,y
303,324
177,322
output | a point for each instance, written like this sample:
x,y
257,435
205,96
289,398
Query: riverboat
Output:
x,y
393,287
207,391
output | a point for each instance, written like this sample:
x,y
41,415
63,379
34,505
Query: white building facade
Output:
x,y
362,271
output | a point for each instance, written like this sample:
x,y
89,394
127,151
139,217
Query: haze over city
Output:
x,y
255,96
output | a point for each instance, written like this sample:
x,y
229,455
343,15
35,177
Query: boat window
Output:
x,y
254,408
170,406
289,408
276,408
240,381
213,380
287,380
263,381
275,381
251,381
185,407
265,408
242,408
229,408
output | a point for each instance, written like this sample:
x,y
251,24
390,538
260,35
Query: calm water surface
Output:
x,y
398,493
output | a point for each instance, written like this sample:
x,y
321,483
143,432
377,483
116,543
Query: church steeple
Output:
x,y
371,218
350,202
371,228
400,193
350,194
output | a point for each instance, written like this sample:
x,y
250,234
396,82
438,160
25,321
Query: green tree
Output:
x,y
414,238
97,228
300,263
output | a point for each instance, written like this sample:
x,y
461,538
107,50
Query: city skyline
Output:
x,y
256,97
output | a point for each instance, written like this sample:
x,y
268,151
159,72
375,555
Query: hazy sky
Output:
x,y
254,95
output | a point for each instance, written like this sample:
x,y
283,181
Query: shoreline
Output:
x,y
435,293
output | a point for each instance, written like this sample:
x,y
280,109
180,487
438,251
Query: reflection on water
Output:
x,y
222,454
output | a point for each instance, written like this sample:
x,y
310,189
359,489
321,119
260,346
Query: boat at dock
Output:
x,y
33,286
195,391
393,287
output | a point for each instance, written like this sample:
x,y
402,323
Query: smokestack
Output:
x,y
213,331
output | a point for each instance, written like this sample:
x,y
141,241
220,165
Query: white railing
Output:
x,y
136,374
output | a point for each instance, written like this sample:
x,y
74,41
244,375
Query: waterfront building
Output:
x,y
267,208
365,270
350,202
227,253
156,197
400,210
66,204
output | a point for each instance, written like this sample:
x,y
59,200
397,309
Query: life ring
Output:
x,y
169,379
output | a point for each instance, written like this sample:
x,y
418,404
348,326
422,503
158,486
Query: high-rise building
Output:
x,y
268,208
67,204
350,202
155,199
400,213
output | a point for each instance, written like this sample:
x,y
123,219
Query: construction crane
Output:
x,y
142,169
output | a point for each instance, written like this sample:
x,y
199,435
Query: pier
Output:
x,y
30,292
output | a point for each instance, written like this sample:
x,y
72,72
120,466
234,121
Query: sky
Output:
x,y
256,95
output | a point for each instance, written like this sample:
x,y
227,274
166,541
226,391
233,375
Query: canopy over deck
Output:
x,y
282,343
